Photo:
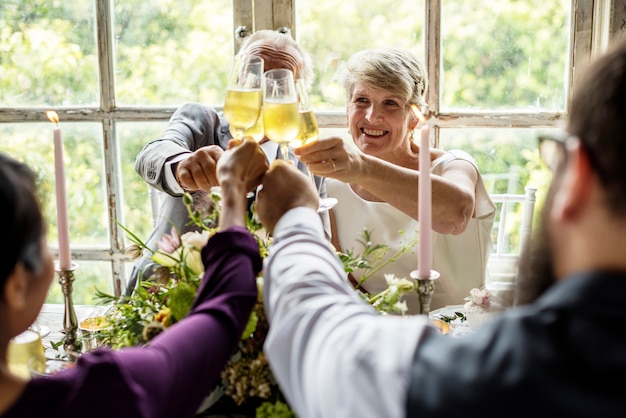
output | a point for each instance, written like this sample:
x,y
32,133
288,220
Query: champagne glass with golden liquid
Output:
x,y
244,99
309,132
244,95
24,349
256,131
281,119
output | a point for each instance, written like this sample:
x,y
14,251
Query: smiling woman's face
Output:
x,y
379,122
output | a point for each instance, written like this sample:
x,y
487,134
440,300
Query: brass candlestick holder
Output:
x,y
71,343
425,287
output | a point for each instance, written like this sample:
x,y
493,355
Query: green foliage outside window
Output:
x,y
497,55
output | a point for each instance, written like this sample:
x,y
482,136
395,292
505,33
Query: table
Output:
x,y
458,328
51,316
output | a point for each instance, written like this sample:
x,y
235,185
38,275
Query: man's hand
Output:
x,y
198,171
284,188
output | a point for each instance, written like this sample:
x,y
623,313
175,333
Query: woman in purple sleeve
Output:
x,y
173,374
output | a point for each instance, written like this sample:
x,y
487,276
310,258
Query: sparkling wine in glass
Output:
x,y
281,119
244,99
256,131
22,349
244,95
309,132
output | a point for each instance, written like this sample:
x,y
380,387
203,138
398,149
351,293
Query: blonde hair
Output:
x,y
391,69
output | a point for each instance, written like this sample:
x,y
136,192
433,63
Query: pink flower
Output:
x,y
169,242
480,297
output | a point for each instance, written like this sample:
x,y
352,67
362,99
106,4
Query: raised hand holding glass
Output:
x,y
309,132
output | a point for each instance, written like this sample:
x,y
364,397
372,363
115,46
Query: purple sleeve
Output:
x,y
180,367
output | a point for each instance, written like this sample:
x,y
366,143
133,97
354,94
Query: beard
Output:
x,y
536,265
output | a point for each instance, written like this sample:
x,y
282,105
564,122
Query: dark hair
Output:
x,y
20,214
598,118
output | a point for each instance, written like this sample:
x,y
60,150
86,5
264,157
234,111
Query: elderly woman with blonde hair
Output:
x,y
375,180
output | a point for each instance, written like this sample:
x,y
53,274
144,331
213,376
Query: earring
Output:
x,y
411,136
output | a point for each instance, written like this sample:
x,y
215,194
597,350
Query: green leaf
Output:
x,y
181,298
250,326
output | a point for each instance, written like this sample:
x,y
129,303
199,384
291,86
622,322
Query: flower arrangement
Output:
x,y
479,296
480,307
167,295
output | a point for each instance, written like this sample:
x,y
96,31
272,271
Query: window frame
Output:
x,y
593,24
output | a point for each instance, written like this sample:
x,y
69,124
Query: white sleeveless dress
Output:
x,y
461,260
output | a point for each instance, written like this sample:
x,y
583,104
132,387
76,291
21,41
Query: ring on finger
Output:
x,y
334,166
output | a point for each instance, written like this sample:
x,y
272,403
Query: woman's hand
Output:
x,y
331,157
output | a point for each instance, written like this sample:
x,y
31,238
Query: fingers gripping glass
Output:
x,y
309,132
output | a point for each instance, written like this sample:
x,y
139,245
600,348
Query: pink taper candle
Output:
x,y
65,260
425,206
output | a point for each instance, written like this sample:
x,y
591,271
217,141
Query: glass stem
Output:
x,y
284,150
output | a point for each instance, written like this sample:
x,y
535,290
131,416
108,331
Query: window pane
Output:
x,y
84,171
332,31
48,54
170,52
508,159
88,277
505,54
509,162
137,194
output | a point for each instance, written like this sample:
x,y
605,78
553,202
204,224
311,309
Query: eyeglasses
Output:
x,y
553,152
552,148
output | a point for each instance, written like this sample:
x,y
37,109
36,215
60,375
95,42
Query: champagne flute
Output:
x,y
280,109
309,132
244,96
256,131
244,99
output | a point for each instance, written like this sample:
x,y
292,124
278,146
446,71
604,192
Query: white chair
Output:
x,y
511,235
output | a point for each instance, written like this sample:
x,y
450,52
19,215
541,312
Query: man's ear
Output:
x,y
16,288
576,184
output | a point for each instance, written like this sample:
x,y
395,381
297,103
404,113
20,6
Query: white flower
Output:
x,y
195,239
192,245
390,279
401,285
401,307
